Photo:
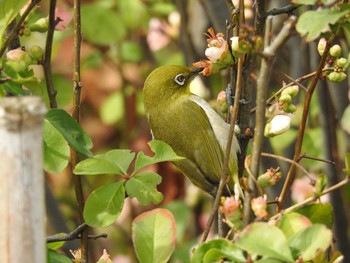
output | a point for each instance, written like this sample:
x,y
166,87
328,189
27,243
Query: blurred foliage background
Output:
x,y
123,40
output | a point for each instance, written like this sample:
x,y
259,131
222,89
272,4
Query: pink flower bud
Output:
x,y
222,101
321,46
64,18
259,206
270,178
16,55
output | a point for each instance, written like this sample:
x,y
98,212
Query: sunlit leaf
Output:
x,y
143,187
163,152
154,236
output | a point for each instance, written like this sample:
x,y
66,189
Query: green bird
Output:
x,y
190,126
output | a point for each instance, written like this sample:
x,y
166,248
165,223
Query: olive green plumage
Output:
x,y
189,125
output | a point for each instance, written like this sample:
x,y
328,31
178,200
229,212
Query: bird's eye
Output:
x,y
180,79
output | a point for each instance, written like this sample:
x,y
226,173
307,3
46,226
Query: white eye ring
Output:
x,y
180,79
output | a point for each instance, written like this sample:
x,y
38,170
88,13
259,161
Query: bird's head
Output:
x,y
167,83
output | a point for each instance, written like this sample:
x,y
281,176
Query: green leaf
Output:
x,y
54,257
311,241
163,152
112,109
101,25
292,223
305,2
217,249
56,149
104,205
265,240
113,162
143,187
182,214
312,23
8,11
154,236
320,213
131,52
56,245
129,9
70,130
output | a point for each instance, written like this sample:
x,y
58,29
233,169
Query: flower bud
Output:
x,y
321,46
27,32
341,62
16,55
288,108
259,206
270,178
278,125
235,43
36,52
291,91
335,51
231,208
285,99
41,25
222,101
336,76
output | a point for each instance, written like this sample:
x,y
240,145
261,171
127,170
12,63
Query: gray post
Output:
x,y
22,204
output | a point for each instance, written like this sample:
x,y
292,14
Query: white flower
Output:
x,y
278,125
213,53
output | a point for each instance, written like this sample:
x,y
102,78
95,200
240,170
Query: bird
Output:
x,y
190,126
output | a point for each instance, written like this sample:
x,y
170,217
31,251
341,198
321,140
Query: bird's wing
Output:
x,y
207,153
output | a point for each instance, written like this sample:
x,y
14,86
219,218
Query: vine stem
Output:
x,y
17,27
76,115
302,126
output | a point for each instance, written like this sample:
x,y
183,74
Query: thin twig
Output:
x,y
270,155
250,176
295,82
17,27
313,198
304,156
66,237
51,91
302,126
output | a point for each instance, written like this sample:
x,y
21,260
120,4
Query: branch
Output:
x,y
51,91
75,234
76,113
262,86
307,102
313,198
289,9
17,27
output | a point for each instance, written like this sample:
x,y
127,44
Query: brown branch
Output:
x,y
313,198
79,193
270,155
304,156
17,27
75,234
302,126
51,91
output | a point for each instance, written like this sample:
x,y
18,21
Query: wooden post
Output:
x,y
22,204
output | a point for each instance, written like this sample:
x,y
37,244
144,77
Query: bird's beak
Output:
x,y
195,72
